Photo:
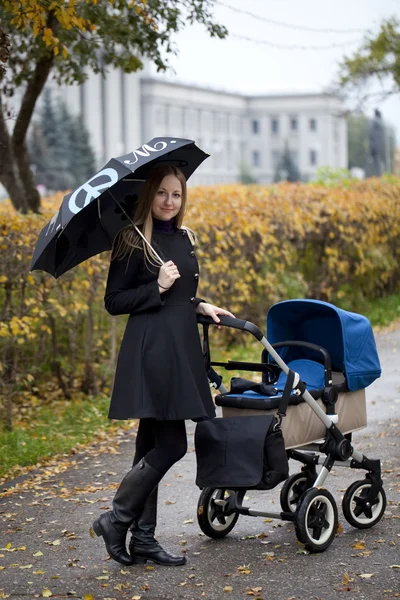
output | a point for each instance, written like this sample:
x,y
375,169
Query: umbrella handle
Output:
x,y
137,229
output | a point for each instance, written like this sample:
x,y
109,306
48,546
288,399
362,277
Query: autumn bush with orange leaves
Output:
x,y
256,245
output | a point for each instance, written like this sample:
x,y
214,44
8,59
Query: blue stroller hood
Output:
x,y
347,336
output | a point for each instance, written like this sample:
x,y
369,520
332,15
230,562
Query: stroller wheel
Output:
x,y
292,490
358,509
316,519
211,512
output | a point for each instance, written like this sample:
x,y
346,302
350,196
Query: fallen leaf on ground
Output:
x,y
359,545
46,593
228,588
366,575
244,570
253,591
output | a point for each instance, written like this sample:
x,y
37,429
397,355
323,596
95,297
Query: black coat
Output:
x,y
160,371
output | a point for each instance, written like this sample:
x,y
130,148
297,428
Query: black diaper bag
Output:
x,y
244,452
240,452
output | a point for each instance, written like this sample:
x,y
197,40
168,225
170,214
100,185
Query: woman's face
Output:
x,y
168,199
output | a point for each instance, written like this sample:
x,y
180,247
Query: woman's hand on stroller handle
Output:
x,y
214,312
227,321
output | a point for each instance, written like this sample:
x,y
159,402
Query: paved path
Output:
x,y
46,548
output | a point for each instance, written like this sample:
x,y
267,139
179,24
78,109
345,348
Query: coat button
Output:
x,y
192,253
192,300
183,232
196,275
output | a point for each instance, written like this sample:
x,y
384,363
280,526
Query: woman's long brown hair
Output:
x,y
128,239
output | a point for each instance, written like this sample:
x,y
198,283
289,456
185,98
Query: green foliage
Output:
x,y
100,35
245,175
358,127
60,151
332,177
287,170
378,57
358,140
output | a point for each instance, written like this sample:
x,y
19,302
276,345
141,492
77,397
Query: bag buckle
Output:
x,y
278,423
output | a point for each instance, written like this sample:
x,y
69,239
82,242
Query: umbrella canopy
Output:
x,y
90,217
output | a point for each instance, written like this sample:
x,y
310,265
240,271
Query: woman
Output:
x,y
160,377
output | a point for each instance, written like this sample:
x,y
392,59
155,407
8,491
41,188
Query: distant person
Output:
x,y
160,376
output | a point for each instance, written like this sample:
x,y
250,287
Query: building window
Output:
x,y
255,126
313,124
275,126
313,157
256,158
293,124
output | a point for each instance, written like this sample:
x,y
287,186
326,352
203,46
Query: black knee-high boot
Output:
x,y
143,546
128,504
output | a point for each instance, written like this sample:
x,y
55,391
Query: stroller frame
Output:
x,y
303,499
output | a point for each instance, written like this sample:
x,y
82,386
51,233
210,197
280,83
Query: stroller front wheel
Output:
x,y
212,516
292,490
316,519
358,509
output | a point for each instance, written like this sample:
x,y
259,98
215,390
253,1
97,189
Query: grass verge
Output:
x,y
50,430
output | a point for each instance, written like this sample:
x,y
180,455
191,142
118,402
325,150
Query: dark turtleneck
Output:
x,y
164,226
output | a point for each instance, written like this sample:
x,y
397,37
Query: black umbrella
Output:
x,y
90,217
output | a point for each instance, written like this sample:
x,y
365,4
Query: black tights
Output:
x,y
162,443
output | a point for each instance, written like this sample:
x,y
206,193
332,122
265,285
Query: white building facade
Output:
x,y
244,134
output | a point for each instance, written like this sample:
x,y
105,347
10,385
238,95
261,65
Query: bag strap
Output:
x,y
284,401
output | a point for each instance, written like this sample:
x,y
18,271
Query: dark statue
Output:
x,y
374,166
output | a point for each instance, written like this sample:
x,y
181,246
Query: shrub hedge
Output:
x,y
256,245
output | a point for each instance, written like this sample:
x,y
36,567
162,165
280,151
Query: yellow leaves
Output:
x,y
359,545
88,597
254,591
244,570
228,588
46,593
34,16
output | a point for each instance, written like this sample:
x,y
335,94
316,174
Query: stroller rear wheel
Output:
x,y
292,490
360,511
316,519
211,512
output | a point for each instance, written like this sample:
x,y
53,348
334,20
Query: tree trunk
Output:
x,y
89,385
32,93
9,174
55,361
15,169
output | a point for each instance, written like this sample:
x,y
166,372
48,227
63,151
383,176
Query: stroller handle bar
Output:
x,y
234,323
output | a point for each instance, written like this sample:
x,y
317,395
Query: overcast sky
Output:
x,y
253,68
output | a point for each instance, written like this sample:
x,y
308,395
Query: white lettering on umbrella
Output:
x,y
145,151
92,192
52,223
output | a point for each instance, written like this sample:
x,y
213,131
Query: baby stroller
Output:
x,y
321,358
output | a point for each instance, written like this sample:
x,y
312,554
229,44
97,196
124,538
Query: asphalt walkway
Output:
x,y
46,551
